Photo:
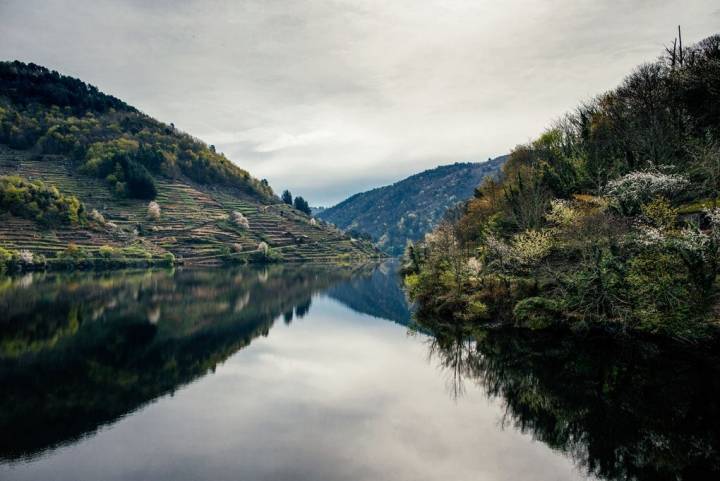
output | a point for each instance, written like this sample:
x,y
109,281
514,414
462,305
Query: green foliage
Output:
x,y
585,227
62,115
665,298
538,312
39,202
287,197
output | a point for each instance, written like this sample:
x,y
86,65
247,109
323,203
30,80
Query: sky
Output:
x,y
329,98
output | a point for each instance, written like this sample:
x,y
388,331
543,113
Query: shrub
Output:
x,y
659,213
561,213
538,312
531,246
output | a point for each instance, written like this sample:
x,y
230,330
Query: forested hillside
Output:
x,y
86,178
609,219
407,209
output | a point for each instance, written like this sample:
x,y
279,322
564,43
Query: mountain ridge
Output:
x,y
407,209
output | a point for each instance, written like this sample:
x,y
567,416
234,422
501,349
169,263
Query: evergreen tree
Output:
x,y
287,197
302,205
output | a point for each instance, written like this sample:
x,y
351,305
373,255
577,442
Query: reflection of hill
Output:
x,y
640,411
379,294
80,351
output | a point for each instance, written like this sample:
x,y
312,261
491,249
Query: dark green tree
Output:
x,y
287,197
302,205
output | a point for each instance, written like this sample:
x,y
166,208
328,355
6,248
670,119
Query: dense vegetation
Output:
x,y
56,114
408,209
609,219
39,202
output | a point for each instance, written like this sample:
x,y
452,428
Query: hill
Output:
x,y
81,169
407,209
608,220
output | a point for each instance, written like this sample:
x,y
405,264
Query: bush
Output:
x,y
39,202
538,312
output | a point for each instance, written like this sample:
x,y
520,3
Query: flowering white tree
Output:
x,y
97,216
153,210
240,220
636,188
26,257
263,247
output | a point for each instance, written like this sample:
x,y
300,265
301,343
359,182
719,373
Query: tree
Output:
x,y
302,205
287,197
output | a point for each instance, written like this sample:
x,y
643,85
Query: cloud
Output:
x,y
328,97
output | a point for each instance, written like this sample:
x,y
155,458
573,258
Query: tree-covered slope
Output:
x,y
407,209
609,219
108,175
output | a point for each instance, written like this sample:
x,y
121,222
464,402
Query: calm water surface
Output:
x,y
313,374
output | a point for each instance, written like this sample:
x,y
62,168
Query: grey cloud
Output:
x,y
330,97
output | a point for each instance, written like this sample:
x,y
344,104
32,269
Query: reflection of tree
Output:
x,y
620,410
78,351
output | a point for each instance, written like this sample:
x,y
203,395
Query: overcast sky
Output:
x,y
328,98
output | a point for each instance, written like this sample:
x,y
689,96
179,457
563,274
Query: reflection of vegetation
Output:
x,y
621,411
80,350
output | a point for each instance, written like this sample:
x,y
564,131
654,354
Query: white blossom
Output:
x,y
638,187
561,213
153,210
240,220
26,257
97,216
474,266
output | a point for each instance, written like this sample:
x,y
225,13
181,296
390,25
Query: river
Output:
x,y
320,373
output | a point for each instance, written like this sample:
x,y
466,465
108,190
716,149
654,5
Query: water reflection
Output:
x,y
378,294
81,350
621,410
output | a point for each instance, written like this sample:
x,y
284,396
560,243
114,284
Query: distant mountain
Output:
x,y
78,169
407,209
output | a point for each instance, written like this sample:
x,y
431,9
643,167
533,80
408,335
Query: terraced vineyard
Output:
x,y
194,224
